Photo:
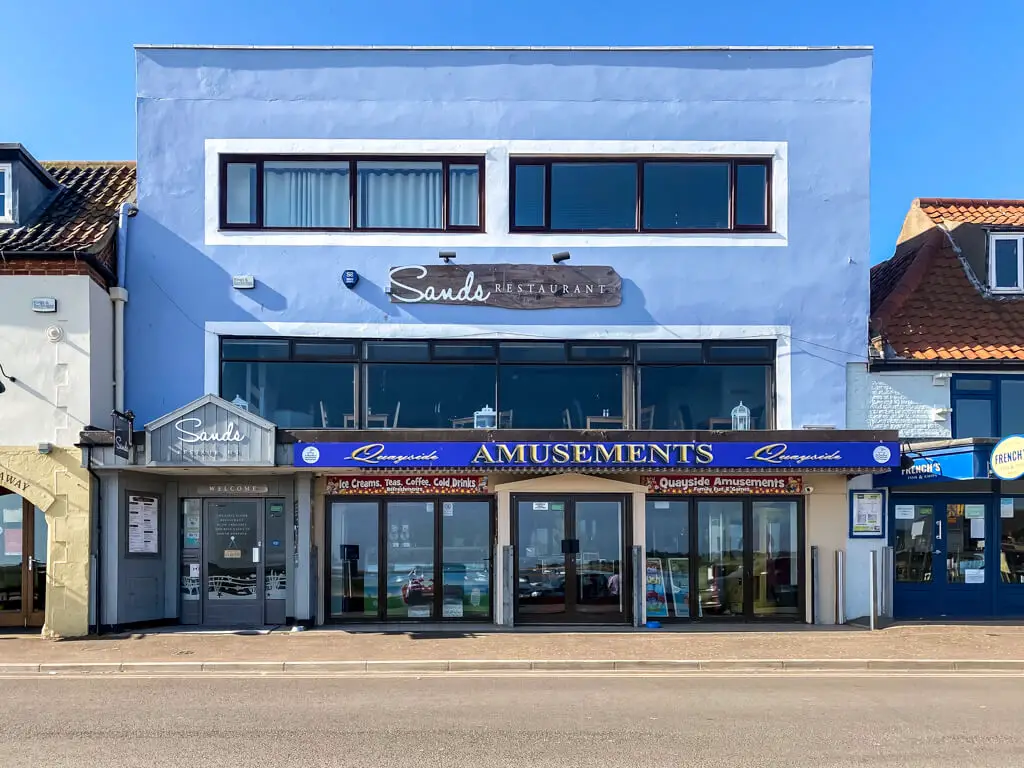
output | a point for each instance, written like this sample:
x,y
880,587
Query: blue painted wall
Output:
x,y
816,101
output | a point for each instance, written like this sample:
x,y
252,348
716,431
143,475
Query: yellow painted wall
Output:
x,y
57,484
827,523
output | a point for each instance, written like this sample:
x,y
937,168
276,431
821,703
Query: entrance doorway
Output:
x,y
939,556
571,558
742,556
23,535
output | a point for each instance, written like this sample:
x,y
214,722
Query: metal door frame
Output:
x,y
261,587
571,615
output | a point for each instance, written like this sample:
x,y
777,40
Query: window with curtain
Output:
x,y
399,195
306,195
351,193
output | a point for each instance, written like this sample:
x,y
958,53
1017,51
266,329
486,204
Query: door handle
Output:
x,y
939,522
31,563
937,552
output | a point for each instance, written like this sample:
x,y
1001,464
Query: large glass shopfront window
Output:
x,y
510,384
429,557
742,556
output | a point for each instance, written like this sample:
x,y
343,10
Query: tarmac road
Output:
x,y
786,720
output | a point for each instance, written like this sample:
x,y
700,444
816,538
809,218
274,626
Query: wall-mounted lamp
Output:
x,y
559,257
9,378
446,256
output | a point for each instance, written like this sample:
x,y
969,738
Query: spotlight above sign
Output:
x,y
511,286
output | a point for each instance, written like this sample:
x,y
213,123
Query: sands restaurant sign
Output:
x,y
512,286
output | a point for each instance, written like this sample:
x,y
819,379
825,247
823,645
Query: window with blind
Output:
x,y
351,193
640,195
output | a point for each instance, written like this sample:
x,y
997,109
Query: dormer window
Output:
x,y
1006,262
6,198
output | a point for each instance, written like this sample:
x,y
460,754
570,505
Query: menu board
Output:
x,y
657,603
143,525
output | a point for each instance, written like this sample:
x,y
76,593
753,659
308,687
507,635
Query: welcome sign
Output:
x,y
697,455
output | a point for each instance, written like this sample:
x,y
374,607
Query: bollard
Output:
x,y
840,579
872,588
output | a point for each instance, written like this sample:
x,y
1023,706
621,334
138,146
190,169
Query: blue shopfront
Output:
x,y
957,533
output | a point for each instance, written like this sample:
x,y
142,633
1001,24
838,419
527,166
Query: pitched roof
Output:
x,y
83,214
926,302
999,213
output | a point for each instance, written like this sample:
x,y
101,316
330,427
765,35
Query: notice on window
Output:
x,y
1006,508
143,525
917,529
974,576
904,511
977,527
657,602
868,510
974,511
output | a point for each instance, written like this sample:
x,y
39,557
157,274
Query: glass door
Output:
x,y
720,562
23,542
409,560
570,558
233,554
776,559
939,554
600,580
542,544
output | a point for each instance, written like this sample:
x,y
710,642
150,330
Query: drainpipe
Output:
x,y
119,295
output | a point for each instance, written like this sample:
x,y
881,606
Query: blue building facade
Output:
x,y
567,261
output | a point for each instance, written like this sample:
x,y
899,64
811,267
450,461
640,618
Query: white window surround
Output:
x,y
496,177
6,189
993,238
779,333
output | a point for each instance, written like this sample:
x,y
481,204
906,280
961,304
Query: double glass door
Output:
x,y
570,559
23,534
939,556
410,559
710,558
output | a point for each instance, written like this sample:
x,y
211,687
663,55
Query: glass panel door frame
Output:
x,y
231,612
437,611
747,614
571,614
30,615
940,595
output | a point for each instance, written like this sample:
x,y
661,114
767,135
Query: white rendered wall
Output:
x,y
914,403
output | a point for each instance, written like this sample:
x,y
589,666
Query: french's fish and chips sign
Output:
x,y
1007,459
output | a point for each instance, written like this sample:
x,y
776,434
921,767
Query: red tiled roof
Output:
x,y
999,213
83,215
926,307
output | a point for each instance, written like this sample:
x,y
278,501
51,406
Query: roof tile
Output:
x,y
82,215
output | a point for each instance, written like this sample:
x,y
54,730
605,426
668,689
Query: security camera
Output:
x,y
808,489
559,257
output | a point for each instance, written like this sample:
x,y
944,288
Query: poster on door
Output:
x,y
679,580
657,602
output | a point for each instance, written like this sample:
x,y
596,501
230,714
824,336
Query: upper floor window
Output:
x,y
372,194
415,384
1006,262
6,198
644,195
988,406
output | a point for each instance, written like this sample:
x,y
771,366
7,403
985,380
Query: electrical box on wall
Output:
x,y
45,304
243,282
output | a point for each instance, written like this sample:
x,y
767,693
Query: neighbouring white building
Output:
x,y
59,237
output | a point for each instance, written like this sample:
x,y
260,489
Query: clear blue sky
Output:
x,y
948,111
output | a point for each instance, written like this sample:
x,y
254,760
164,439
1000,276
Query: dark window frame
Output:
x,y
632,402
438,500
258,226
640,162
994,397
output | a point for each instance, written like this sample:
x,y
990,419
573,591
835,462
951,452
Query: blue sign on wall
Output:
x,y
645,455
938,466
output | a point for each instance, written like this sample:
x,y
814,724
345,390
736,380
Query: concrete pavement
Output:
x,y
917,642
456,722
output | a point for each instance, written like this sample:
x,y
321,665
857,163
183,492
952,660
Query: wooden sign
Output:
x,y
512,286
